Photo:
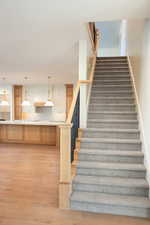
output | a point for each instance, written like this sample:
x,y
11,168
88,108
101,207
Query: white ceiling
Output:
x,y
39,37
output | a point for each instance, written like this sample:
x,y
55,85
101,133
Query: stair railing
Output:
x,y
69,130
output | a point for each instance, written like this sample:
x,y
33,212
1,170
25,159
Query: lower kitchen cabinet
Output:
x,y
29,134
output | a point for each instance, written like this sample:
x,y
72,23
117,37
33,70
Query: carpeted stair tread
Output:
x,y
111,70
98,71
113,91
114,81
123,61
111,130
114,166
111,57
119,65
111,152
112,85
109,140
112,104
126,77
109,199
113,121
100,98
125,80
113,112
119,181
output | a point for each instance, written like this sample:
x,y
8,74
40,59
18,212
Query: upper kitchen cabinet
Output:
x,y
17,102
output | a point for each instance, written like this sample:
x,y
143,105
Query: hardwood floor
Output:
x,y
29,190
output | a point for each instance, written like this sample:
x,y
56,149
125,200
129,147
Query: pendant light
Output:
x,y
49,101
25,101
4,101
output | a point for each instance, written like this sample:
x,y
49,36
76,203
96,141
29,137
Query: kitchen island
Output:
x,y
30,132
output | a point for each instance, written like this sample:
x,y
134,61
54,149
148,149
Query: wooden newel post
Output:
x,y
65,166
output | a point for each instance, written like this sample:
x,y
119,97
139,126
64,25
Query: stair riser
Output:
x,y
106,116
111,73
112,146
115,78
123,82
111,69
111,173
111,94
107,134
116,108
112,65
112,125
111,58
111,189
111,101
116,210
114,62
111,88
110,158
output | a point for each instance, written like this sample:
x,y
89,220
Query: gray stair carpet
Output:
x,y
110,175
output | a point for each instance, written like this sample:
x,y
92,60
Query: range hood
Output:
x,y
42,104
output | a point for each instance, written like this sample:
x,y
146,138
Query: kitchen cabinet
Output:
x,y
17,102
29,134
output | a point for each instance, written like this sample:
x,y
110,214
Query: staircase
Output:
x,y
110,171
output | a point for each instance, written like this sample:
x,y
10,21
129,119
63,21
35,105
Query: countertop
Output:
x,y
29,122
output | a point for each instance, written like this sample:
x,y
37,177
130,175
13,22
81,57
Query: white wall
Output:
x,y
139,50
40,93
123,37
135,31
144,89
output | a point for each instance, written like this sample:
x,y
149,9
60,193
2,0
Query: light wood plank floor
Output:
x,y
29,190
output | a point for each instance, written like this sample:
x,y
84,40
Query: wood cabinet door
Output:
x,y
32,134
48,135
3,133
17,102
14,133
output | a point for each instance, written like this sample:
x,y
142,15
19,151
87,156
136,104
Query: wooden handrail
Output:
x,y
91,75
93,34
75,99
90,31
73,103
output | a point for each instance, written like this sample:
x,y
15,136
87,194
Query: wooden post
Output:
x,y
65,166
